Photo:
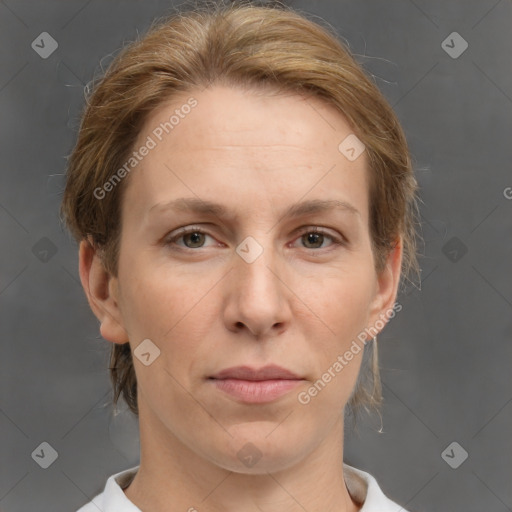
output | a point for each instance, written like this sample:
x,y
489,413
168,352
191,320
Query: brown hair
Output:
x,y
248,46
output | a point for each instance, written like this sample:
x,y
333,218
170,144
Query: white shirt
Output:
x,y
361,486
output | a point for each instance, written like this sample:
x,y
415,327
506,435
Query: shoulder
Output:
x,y
363,487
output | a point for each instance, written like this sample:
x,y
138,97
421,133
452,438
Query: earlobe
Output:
x,y
100,289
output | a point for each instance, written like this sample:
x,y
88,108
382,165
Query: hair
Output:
x,y
266,47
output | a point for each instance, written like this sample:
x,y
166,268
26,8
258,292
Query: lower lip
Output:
x,y
251,391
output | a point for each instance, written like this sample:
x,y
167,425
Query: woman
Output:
x,y
245,206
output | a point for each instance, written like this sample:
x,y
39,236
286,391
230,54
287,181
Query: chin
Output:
x,y
259,449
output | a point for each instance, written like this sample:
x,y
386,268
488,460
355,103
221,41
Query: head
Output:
x,y
246,107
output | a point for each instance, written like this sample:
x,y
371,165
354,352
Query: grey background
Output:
x,y
445,358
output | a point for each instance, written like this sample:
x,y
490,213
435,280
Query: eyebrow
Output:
x,y
199,206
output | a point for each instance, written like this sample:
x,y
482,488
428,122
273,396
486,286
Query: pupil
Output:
x,y
194,236
313,236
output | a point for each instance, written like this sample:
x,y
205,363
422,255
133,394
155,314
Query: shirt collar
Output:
x,y
364,489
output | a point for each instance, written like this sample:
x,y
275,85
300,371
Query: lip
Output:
x,y
269,372
250,385
256,391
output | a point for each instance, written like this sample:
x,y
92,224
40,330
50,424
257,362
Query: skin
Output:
x,y
300,304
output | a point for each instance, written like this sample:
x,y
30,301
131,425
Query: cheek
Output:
x,y
341,310
340,302
157,302
175,314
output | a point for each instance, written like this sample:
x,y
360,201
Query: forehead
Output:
x,y
241,143
223,115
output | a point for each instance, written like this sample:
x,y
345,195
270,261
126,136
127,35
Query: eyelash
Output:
x,y
336,241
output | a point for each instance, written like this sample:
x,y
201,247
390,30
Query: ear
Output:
x,y
386,288
101,291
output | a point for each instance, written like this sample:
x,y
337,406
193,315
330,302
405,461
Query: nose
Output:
x,y
257,298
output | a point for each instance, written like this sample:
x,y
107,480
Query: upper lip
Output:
x,y
268,372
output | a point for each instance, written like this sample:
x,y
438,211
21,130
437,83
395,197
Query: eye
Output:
x,y
316,237
192,237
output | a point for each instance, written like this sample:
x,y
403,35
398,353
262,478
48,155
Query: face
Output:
x,y
253,283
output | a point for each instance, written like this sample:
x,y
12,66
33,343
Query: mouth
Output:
x,y
249,385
